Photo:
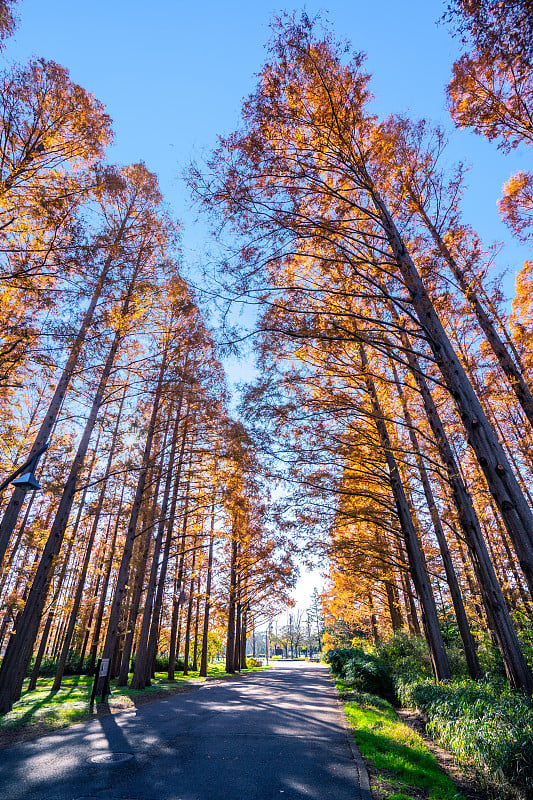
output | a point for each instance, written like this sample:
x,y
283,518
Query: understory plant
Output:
x,y
402,767
488,728
361,670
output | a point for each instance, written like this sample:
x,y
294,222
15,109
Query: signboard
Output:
x,y
101,676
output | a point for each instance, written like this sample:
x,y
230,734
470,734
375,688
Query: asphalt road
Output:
x,y
273,734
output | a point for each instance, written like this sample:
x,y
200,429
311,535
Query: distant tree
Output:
x,y
316,615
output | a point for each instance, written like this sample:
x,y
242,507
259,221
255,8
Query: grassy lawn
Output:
x,y
400,765
43,709
282,658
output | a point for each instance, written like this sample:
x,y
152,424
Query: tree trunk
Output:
x,y
196,626
188,623
123,573
409,600
173,635
230,639
244,633
40,652
88,621
205,635
502,483
500,623
237,644
439,658
373,620
394,606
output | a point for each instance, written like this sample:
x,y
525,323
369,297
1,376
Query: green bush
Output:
x,y
161,664
339,657
407,657
251,662
487,728
362,671
368,673
524,628
48,667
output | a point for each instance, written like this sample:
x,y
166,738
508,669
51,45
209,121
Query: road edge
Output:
x,y
364,778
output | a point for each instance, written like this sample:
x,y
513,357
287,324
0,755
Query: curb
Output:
x,y
365,792
364,780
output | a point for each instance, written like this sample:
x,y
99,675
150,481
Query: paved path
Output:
x,y
274,734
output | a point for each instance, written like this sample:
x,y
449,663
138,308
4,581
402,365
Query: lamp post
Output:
x,y
27,480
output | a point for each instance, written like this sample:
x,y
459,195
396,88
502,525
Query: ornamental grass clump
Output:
x,y
487,728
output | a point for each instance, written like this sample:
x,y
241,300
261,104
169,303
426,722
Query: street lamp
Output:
x,y
27,480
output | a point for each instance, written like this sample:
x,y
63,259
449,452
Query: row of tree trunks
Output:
x,y
503,485
207,608
232,600
496,610
18,655
124,569
430,622
88,553
472,660
12,511
503,356
142,661
108,567
189,420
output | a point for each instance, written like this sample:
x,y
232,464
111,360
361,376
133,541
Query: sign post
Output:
x,y
102,673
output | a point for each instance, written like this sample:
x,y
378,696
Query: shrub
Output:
x,y
370,674
339,657
406,657
251,662
48,666
487,728
161,664
362,671
180,666
47,669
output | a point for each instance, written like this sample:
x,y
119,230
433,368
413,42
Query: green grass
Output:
x,y
401,766
288,658
44,709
